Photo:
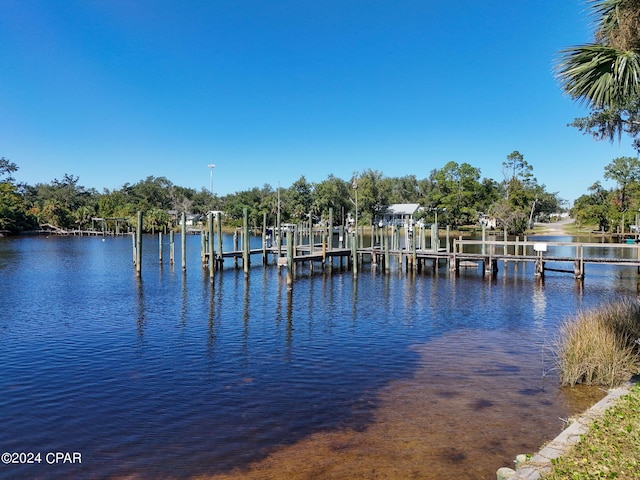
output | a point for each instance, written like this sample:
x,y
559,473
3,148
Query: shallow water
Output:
x,y
428,375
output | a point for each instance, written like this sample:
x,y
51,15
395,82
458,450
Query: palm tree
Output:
x,y
606,74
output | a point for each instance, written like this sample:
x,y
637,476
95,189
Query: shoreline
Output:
x,y
541,462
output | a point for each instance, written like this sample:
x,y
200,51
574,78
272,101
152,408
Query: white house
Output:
x,y
396,213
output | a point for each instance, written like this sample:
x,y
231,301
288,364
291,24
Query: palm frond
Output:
x,y
606,15
599,75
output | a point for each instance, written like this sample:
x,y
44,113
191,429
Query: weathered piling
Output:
x,y
330,228
245,241
183,241
139,245
172,248
434,237
448,238
203,248
506,239
354,255
133,247
211,252
484,239
264,238
289,258
219,258
385,239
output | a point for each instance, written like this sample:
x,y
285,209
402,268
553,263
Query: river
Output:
x,y
430,375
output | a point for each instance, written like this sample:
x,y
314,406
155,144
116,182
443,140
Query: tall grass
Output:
x,y
600,347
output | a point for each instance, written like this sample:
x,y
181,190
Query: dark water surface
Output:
x,y
174,377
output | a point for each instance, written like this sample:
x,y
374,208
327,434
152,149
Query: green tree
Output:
x,y
155,219
152,192
524,198
13,213
605,74
82,216
257,201
625,171
404,189
300,199
456,190
517,173
373,194
332,192
6,169
594,208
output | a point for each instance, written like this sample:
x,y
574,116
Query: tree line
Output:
x,y
456,191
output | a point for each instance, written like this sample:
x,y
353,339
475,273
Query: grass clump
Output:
x,y
600,347
609,449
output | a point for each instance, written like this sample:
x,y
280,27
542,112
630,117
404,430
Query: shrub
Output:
x,y
600,347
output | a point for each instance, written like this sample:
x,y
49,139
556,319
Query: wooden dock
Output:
x,y
546,256
566,257
317,246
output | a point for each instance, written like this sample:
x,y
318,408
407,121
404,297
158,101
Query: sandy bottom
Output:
x,y
457,417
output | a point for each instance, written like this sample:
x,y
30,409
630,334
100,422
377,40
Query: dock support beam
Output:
x,y
245,240
183,241
139,245
211,258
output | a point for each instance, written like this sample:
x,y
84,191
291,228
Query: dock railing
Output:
x,y
542,252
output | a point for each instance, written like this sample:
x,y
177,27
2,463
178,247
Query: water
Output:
x,y
174,377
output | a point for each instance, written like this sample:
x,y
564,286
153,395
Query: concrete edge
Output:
x,y
540,463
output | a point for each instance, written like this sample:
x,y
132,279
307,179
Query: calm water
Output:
x,y
175,377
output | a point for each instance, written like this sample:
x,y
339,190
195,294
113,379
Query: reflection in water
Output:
x,y
422,375
141,317
184,296
460,415
289,317
212,324
539,304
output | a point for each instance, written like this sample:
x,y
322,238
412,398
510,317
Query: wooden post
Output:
x,y
330,234
414,256
264,238
579,263
172,247
245,243
385,240
211,259
453,261
220,258
160,247
183,241
278,233
506,239
311,242
484,239
539,266
354,254
324,250
139,245
235,248
203,248
434,237
133,248
289,258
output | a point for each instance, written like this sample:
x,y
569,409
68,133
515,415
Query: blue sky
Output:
x,y
113,91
